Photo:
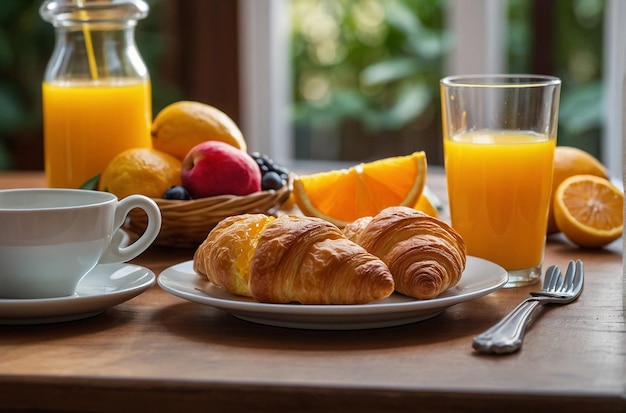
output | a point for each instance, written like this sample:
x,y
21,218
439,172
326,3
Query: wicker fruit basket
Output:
x,y
187,223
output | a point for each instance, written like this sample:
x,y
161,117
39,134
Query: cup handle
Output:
x,y
115,252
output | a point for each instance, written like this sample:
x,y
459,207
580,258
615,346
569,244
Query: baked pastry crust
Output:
x,y
425,255
291,259
224,256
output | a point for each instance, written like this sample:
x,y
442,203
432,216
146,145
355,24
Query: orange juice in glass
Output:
x,y
499,140
86,124
96,89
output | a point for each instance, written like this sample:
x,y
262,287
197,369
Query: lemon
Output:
x,y
182,125
142,171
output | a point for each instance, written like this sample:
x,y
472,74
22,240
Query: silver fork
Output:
x,y
508,334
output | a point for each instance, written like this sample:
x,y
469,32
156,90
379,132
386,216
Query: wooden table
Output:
x,y
158,352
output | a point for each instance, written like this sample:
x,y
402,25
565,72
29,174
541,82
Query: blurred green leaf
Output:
x,y
386,71
411,101
429,45
581,109
402,18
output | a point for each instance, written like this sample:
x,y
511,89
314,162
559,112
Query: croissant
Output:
x,y
224,256
291,259
425,255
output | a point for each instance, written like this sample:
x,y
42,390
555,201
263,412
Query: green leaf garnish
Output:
x,y
91,183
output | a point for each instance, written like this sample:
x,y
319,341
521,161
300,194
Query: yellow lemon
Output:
x,y
140,171
182,125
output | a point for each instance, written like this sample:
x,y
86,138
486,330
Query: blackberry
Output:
x,y
274,176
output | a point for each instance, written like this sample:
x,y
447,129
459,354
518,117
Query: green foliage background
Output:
x,y
377,63
386,84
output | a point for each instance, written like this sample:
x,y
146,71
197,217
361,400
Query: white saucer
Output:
x,y
105,286
480,277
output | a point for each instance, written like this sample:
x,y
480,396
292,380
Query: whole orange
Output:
x,y
142,171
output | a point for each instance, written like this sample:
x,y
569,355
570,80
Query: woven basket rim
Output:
x,y
186,223
219,199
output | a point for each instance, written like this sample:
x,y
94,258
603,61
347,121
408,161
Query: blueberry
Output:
x,y
272,180
177,192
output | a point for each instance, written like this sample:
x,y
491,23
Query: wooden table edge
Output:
x,y
102,394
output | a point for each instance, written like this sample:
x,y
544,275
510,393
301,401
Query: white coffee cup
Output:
x,y
51,238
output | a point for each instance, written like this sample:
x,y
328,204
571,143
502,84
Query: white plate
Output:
x,y
105,286
480,277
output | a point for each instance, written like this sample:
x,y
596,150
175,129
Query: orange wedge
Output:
x,y
341,196
589,210
426,205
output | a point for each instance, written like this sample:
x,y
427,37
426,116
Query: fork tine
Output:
x,y
547,277
580,275
556,281
552,273
570,275
559,283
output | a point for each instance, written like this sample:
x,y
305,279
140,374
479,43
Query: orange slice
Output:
x,y
342,196
425,205
589,210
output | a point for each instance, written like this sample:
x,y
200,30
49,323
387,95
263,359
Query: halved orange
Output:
x,y
570,161
342,196
589,210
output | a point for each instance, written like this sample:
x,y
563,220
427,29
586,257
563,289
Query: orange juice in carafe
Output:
x,y
96,89
87,123
499,186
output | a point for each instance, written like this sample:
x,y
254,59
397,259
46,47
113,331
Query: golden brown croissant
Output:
x,y
224,256
425,255
291,259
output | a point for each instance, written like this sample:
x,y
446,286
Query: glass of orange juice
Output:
x,y
499,135
96,91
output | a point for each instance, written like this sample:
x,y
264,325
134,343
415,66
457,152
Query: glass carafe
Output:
x,y
96,88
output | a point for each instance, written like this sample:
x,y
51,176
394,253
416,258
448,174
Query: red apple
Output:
x,y
214,168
